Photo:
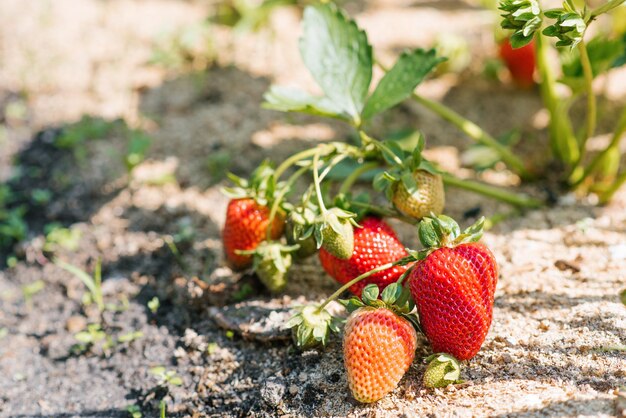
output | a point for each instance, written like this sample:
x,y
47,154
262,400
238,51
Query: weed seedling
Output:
x,y
134,411
130,337
166,377
58,236
93,284
154,304
31,289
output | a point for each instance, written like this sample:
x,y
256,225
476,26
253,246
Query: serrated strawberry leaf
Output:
x,y
287,99
398,84
338,55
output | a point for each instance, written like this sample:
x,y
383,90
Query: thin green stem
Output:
x,y
615,140
293,160
608,195
354,176
385,212
603,9
591,98
336,160
562,138
384,148
279,198
491,191
358,279
316,183
475,132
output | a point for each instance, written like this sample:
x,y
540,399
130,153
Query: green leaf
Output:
x,y
623,296
427,234
287,99
391,293
369,294
398,84
338,55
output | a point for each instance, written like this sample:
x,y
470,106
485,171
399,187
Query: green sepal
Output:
x,y
442,231
312,327
569,27
261,186
442,370
271,261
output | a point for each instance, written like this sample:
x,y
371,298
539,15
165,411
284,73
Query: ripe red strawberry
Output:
x,y
375,244
520,62
379,347
453,287
245,227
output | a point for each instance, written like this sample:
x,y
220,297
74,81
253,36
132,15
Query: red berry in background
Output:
x,y
245,227
521,62
375,244
379,347
453,288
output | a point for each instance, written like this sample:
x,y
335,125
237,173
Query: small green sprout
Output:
x,y
134,411
129,337
93,284
57,236
31,289
166,376
154,304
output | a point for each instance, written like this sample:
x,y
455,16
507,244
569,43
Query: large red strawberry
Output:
x,y
245,228
520,62
378,344
375,244
453,286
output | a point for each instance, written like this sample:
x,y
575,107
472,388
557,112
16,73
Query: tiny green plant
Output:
x,y
134,411
130,337
139,143
31,289
154,304
87,339
92,283
58,236
166,377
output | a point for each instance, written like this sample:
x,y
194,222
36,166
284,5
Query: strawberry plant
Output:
x,y
582,60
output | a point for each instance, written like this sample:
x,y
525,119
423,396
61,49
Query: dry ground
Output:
x,y
557,320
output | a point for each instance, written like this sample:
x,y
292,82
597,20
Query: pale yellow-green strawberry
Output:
x,y
427,197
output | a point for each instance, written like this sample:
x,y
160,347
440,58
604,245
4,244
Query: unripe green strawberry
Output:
x,y
272,260
442,370
427,197
333,231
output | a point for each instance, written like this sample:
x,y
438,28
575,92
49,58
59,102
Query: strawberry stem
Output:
x,y
294,159
368,139
316,183
361,277
591,98
608,194
615,140
279,198
470,129
354,176
490,191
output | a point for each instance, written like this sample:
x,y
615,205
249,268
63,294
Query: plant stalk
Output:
x,y
562,138
316,183
358,279
354,176
591,98
475,132
619,182
294,159
611,4
615,140
276,204
491,191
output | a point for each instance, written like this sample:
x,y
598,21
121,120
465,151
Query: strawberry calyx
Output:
x,y
438,231
311,326
261,186
394,297
271,261
403,166
333,230
443,369
299,229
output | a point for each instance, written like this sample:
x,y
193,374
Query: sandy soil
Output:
x,y
558,323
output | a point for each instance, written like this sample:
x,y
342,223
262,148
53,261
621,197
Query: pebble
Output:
x,y
273,391
293,389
